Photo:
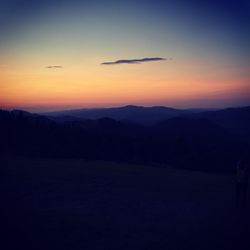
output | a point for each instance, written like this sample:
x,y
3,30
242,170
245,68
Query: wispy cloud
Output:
x,y
134,61
54,67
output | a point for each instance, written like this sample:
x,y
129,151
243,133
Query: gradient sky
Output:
x,y
207,42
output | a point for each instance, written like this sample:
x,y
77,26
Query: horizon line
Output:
x,y
29,109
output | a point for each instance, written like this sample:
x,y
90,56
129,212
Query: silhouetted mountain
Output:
x,y
183,142
235,120
64,118
199,142
136,114
181,126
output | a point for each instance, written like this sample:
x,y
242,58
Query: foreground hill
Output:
x,y
76,204
182,142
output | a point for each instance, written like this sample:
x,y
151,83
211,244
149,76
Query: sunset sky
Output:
x,y
52,53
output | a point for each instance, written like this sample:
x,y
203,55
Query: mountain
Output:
x,y
235,120
136,114
186,142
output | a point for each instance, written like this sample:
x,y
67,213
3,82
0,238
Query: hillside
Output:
x,y
75,204
234,120
182,142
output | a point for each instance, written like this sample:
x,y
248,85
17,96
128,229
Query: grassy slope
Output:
x,y
74,204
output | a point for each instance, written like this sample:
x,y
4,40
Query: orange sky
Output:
x,y
171,82
209,66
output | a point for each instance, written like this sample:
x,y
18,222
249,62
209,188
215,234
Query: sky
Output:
x,y
59,54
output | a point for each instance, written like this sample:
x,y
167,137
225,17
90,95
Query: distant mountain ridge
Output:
x,y
235,120
188,141
137,114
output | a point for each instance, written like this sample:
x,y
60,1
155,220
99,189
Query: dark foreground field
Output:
x,y
74,204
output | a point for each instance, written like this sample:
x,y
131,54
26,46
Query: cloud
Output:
x,y
134,61
54,67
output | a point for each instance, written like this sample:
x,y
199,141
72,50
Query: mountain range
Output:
x,y
137,114
196,139
236,120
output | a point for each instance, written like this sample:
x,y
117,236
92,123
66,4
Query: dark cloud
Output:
x,y
133,61
54,67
